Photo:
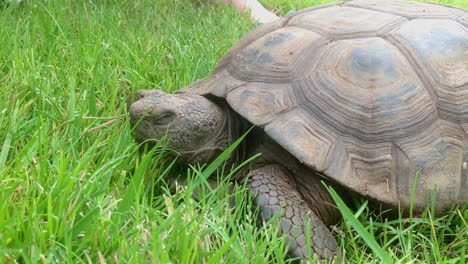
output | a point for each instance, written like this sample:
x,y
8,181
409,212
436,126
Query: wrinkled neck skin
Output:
x,y
211,149
233,127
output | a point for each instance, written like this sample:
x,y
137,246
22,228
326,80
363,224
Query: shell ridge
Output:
x,y
248,39
418,66
402,183
245,71
463,20
385,9
313,8
347,22
455,110
377,10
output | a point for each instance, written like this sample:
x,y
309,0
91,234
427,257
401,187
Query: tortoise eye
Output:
x,y
164,118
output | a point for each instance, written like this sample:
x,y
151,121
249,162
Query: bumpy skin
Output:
x,y
190,122
273,194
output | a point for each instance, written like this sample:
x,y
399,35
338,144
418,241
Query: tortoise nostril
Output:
x,y
140,94
149,96
147,93
139,110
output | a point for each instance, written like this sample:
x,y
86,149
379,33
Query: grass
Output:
x,y
70,193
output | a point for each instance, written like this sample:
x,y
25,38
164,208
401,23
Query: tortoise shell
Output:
x,y
372,93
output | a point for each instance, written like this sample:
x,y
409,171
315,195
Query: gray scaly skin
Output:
x,y
200,129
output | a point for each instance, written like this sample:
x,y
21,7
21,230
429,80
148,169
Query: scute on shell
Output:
x,y
372,93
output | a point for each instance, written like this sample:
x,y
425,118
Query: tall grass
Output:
x,y
74,186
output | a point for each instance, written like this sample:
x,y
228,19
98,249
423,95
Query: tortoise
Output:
x,y
370,96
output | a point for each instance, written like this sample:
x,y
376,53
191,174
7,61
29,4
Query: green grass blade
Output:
x,y
7,142
86,222
136,181
92,88
223,156
360,229
219,253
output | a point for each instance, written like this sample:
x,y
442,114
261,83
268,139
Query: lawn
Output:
x,y
74,186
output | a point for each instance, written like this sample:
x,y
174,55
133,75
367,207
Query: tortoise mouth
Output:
x,y
144,140
140,130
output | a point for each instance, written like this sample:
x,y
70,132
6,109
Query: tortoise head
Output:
x,y
193,124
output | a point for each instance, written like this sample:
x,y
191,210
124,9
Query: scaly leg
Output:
x,y
273,193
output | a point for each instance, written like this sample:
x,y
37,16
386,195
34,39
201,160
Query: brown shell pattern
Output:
x,y
370,92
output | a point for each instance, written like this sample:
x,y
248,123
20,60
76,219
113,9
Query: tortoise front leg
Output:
x,y
273,193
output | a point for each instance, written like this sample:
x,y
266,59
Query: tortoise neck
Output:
x,y
234,126
216,143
